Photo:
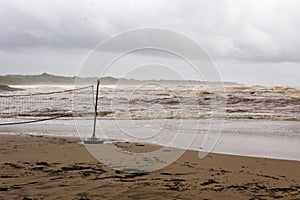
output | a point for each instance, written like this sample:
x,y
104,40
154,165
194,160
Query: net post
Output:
x,y
93,139
96,112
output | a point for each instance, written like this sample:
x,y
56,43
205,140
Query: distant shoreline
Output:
x,y
49,79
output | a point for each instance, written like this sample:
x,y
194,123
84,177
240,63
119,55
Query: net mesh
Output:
x,y
26,107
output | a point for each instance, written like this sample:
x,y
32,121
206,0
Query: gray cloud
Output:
x,y
248,30
247,39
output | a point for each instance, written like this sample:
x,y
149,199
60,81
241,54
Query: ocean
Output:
x,y
250,121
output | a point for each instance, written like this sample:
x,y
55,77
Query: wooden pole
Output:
x,y
96,112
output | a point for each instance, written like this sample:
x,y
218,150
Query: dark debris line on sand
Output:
x,y
51,175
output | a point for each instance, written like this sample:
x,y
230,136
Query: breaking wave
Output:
x,y
159,102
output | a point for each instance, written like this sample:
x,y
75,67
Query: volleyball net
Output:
x,y
27,107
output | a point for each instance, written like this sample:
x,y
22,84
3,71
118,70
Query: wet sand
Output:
x,y
40,167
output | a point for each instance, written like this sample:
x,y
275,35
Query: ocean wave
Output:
x,y
290,91
272,103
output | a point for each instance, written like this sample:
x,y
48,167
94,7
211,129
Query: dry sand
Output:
x,y
35,167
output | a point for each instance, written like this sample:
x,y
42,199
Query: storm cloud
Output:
x,y
243,32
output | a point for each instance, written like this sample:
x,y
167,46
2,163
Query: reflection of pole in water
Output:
x,y
93,139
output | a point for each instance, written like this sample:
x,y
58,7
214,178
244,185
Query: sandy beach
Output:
x,y
40,167
175,100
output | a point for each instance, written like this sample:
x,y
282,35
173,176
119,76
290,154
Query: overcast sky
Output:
x,y
253,42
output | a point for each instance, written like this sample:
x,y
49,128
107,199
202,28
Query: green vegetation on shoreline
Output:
x,y
49,79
